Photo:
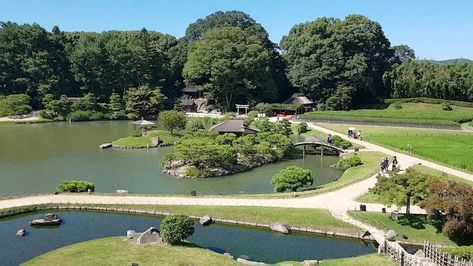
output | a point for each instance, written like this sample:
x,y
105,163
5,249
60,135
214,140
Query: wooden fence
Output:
x,y
433,256
442,258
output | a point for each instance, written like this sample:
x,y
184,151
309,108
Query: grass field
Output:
x,y
141,142
416,227
411,113
447,147
118,251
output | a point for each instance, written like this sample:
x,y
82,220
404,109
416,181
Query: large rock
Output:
x,y
131,234
391,235
206,220
419,253
279,227
149,236
249,262
21,232
310,262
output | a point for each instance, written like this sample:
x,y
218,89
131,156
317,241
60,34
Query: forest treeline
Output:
x,y
340,63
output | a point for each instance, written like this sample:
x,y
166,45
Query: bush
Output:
x,y
446,106
137,133
76,186
229,115
349,162
265,108
302,128
292,177
251,117
321,107
175,228
173,120
195,125
85,116
15,104
465,252
340,142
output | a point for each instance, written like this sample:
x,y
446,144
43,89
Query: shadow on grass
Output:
x,y
418,221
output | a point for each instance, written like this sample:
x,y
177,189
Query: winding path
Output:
x,y
337,202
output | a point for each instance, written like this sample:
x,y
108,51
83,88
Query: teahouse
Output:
x,y
235,126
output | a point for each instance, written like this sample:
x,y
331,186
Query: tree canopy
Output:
x,y
292,178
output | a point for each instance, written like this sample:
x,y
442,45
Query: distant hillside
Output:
x,y
452,61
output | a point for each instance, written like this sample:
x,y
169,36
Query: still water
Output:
x,y
262,245
36,158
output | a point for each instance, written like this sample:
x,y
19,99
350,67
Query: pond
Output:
x,y
37,157
262,245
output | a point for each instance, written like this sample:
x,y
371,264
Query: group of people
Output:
x,y
384,165
354,134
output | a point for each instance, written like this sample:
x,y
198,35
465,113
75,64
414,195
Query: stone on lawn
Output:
x,y
279,227
206,220
391,235
149,236
310,262
130,234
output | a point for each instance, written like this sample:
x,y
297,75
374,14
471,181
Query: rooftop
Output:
x,y
299,98
234,126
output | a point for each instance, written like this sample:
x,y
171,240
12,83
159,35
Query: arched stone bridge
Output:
x,y
318,142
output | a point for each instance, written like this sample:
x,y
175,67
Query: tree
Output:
x,y
403,53
451,203
283,127
15,104
265,108
302,128
328,53
87,103
292,177
175,228
143,101
233,66
408,188
116,107
56,109
173,120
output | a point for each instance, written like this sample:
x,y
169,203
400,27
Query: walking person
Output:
x,y
395,162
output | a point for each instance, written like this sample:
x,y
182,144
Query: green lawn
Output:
x,y
454,148
141,142
365,260
416,228
118,251
411,113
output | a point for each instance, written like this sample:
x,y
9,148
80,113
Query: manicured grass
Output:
x,y
411,113
141,142
365,260
309,218
447,147
416,227
118,251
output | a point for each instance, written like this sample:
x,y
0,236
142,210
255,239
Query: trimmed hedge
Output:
x,y
340,142
346,163
429,100
76,186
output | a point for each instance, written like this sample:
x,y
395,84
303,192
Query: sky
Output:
x,y
435,29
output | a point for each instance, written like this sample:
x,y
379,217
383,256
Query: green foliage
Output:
x,y
136,133
465,252
398,105
194,172
56,109
292,177
282,126
348,162
76,186
86,103
265,108
173,120
251,117
446,107
15,104
85,116
408,188
450,203
327,54
176,228
195,125
264,125
340,142
143,101
228,58
116,107
429,79
302,128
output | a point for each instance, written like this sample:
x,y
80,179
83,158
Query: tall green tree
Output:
x,y
173,120
331,56
234,66
143,101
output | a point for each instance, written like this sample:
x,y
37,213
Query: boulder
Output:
x,y
206,220
279,227
419,253
391,235
245,257
310,262
21,232
149,236
249,262
226,254
131,234
394,215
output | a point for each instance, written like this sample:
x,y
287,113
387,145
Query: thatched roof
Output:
x,y
234,126
299,98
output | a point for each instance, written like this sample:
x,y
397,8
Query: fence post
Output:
x,y
402,258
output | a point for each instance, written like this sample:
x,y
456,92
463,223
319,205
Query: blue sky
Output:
x,y
436,29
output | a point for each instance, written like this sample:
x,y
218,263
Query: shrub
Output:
x,y
15,104
85,116
76,186
251,117
321,107
465,252
349,162
446,106
175,228
340,142
292,177
265,108
302,128
173,120
136,133
229,115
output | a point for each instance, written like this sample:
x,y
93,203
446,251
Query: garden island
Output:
x,y
333,146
